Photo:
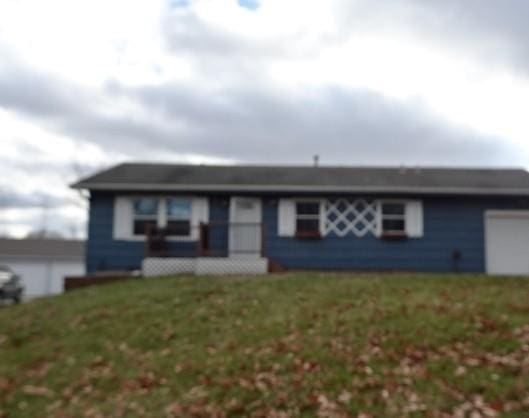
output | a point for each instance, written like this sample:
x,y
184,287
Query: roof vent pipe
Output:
x,y
316,160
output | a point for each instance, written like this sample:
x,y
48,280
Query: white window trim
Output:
x,y
144,217
398,217
413,216
164,219
407,226
195,218
321,213
287,215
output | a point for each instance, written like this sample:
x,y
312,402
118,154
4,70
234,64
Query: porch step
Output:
x,y
216,266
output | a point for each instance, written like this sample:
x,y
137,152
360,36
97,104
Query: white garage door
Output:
x,y
507,242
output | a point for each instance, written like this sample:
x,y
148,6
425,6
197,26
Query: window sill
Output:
x,y
394,236
143,238
309,235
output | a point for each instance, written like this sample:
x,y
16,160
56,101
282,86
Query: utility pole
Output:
x,y
45,213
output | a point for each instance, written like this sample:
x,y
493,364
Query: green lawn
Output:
x,y
311,345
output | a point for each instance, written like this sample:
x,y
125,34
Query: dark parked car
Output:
x,y
10,285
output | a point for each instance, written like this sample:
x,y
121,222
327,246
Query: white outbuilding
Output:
x,y
43,263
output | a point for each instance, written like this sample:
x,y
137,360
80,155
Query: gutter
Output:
x,y
4,256
135,187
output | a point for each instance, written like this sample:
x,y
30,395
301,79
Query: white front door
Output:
x,y
507,242
245,227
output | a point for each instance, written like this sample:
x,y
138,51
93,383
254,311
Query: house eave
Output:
x,y
58,257
266,188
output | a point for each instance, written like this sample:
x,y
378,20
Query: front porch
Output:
x,y
222,248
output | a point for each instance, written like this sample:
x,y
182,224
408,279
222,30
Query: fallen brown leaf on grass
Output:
x,y
38,391
5,385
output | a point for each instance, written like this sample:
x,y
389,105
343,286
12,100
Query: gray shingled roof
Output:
x,y
42,248
194,178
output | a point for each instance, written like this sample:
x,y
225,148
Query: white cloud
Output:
x,y
458,89
89,42
90,84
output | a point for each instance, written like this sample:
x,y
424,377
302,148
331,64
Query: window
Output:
x,y
308,218
178,217
173,214
316,218
145,215
393,219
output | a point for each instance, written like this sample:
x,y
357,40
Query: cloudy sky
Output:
x,y
84,85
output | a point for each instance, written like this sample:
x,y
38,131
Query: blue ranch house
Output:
x,y
168,219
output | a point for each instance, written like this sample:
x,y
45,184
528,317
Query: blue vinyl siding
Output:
x,y
450,223
219,217
104,253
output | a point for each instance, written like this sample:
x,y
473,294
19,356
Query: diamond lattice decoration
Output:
x,y
343,217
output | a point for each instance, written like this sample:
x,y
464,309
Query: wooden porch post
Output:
x,y
203,241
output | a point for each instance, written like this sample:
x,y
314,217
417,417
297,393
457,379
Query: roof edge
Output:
x,y
133,187
331,166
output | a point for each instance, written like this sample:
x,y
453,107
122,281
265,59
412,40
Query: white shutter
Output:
x,y
323,217
286,218
378,227
199,214
414,219
122,229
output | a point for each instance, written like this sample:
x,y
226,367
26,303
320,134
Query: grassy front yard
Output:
x,y
311,345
